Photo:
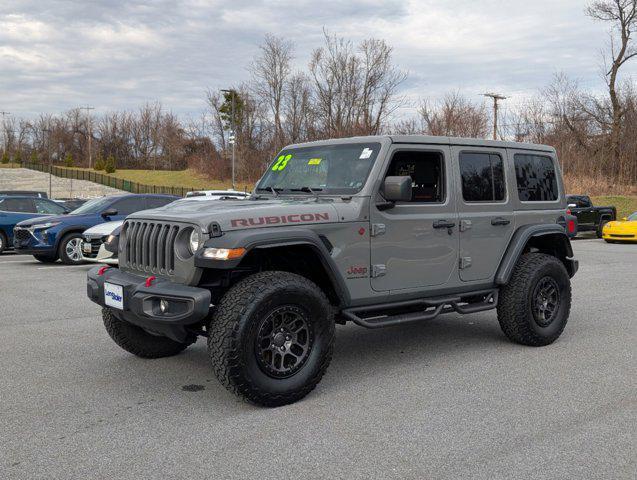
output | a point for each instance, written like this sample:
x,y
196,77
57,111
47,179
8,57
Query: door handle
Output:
x,y
444,224
500,221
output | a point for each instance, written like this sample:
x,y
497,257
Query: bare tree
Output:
x,y
270,72
622,14
455,116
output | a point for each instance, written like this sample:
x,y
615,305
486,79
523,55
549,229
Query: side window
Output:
x,y
535,175
426,172
156,202
19,205
129,205
42,206
482,177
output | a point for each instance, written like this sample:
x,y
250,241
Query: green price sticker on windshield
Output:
x,y
281,162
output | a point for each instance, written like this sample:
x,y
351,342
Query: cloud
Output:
x,y
116,54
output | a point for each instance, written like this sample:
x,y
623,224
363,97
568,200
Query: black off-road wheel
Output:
x,y
45,258
534,306
271,338
3,242
69,251
139,342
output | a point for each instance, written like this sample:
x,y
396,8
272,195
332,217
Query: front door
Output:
x,y
415,244
486,216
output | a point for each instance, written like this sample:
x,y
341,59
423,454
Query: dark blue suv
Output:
x,y
15,209
50,238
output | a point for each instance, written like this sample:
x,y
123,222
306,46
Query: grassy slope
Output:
x,y
180,178
625,205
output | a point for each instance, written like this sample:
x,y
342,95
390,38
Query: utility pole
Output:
x,y
496,97
4,132
88,130
48,150
232,138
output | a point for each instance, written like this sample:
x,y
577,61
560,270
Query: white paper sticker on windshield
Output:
x,y
367,152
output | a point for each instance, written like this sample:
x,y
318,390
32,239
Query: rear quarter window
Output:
x,y
536,178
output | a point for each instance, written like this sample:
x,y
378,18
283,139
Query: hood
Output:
x,y
241,214
104,228
622,227
65,219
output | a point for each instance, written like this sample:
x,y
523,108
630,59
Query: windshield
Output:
x,y
633,217
97,205
331,169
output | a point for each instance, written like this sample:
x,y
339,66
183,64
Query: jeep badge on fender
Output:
x,y
455,225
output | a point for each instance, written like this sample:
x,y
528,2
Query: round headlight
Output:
x,y
194,241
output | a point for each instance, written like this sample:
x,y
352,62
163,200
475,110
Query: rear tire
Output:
x,y
271,338
534,306
3,242
139,342
600,228
69,250
45,258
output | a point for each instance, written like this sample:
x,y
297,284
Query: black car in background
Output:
x,y
23,193
589,217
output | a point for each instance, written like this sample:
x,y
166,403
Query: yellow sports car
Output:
x,y
621,231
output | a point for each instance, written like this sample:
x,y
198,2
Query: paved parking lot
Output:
x,y
451,398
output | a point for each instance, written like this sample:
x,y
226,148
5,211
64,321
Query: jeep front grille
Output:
x,y
149,246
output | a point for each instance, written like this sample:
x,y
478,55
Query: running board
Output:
x,y
431,308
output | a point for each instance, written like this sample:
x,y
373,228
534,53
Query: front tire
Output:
x,y
70,252
271,338
534,306
138,341
600,228
3,242
45,258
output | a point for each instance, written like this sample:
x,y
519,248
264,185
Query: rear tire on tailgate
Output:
x,y
138,341
271,338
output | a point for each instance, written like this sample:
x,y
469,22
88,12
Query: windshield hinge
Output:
x,y
378,229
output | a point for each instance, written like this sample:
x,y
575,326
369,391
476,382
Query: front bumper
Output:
x,y
32,243
188,306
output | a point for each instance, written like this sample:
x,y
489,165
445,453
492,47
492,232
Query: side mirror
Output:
x,y
398,189
109,212
572,205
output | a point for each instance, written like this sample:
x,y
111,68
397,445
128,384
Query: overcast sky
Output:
x,y
117,54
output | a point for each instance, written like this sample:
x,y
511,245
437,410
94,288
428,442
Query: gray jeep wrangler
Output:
x,y
380,231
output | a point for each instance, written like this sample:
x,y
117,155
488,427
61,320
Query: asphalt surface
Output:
x,y
451,398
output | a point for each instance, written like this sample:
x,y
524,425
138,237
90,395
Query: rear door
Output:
x,y
485,211
410,245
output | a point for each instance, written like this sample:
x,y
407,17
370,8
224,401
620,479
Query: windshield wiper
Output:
x,y
275,191
308,190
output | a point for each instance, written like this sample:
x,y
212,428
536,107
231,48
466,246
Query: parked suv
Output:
x,y
15,209
51,238
379,231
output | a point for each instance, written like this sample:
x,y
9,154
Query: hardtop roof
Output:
x,y
431,140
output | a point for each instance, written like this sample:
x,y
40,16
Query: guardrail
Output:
x,y
107,180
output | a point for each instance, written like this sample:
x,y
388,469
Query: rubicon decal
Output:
x,y
278,220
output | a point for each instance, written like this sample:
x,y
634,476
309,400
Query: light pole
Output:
x,y
48,153
4,131
496,97
232,138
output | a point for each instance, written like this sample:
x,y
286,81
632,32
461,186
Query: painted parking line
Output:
x,y
60,267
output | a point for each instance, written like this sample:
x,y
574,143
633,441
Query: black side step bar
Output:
x,y
432,307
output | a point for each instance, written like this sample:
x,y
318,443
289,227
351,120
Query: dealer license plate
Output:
x,y
114,295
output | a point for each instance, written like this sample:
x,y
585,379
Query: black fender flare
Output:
x,y
519,241
265,238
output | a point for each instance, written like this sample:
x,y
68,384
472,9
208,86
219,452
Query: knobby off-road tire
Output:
x,y
258,316
139,342
525,302
71,241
